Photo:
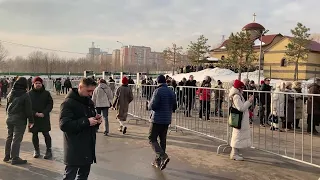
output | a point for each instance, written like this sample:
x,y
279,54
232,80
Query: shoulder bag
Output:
x,y
235,116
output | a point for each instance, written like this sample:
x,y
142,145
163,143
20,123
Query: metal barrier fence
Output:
x,y
205,111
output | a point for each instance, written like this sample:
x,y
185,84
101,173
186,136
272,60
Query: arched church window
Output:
x,y
283,62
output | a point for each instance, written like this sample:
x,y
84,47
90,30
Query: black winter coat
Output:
x,y
265,98
79,136
19,107
41,103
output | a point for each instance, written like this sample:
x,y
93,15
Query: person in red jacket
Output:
x,y
204,94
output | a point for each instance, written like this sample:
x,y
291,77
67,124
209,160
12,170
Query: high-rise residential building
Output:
x,y
116,60
94,52
156,60
135,57
105,61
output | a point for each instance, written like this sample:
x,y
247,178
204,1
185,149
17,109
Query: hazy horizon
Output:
x,y
72,26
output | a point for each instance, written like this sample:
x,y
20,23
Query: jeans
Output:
x,y
77,172
105,112
155,131
14,139
47,139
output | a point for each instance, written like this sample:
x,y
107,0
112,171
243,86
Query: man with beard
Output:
x,y
42,105
78,121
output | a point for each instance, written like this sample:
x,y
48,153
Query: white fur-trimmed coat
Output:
x,y
241,138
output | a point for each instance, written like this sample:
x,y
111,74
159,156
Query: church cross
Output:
x,y
254,17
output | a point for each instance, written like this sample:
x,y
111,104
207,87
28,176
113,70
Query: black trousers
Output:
x,y
204,109
218,106
158,130
47,139
264,113
77,172
189,102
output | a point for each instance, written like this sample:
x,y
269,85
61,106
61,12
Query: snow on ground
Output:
x,y
228,76
224,75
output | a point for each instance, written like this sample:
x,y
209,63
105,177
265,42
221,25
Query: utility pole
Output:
x,y
122,58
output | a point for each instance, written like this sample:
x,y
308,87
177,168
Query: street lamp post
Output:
x,y
174,58
260,56
122,58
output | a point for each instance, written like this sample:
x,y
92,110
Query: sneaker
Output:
x,y
124,130
236,158
164,161
120,128
18,161
156,163
36,153
48,154
6,159
106,134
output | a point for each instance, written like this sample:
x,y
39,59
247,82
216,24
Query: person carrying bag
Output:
x,y
239,120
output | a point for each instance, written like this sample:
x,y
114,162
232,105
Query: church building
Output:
x,y
273,48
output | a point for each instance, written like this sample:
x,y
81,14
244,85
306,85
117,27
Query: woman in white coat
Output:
x,y
102,98
241,138
278,104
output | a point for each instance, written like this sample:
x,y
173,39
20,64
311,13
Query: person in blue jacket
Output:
x,y
162,104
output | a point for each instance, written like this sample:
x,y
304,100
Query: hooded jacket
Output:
x,y
19,107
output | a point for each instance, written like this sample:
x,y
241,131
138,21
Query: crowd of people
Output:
x,y
86,106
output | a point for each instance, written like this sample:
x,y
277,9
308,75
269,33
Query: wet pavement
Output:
x,y
128,157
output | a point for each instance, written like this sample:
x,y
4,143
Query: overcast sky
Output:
x,y
73,24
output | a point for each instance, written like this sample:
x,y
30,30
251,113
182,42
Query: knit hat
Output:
x,y
37,79
161,79
238,84
125,80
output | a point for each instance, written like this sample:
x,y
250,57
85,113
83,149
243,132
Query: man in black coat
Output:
x,y
190,95
42,105
78,121
265,102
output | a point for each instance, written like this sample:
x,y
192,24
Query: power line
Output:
x,y
36,47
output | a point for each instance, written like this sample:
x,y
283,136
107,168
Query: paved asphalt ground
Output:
x,y
128,157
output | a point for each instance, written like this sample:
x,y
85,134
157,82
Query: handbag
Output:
x,y
235,117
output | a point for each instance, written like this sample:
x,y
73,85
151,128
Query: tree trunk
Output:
x,y
239,75
295,71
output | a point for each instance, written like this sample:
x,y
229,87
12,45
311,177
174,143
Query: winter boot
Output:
x,y
48,154
17,161
36,153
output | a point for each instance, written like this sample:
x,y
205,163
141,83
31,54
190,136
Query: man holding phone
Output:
x,y
78,121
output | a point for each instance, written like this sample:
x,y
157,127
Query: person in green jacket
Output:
x,y
58,86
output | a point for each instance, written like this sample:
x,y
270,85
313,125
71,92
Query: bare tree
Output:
x,y
3,55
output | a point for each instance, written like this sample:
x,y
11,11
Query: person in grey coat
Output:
x,y
19,110
162,104
102,98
